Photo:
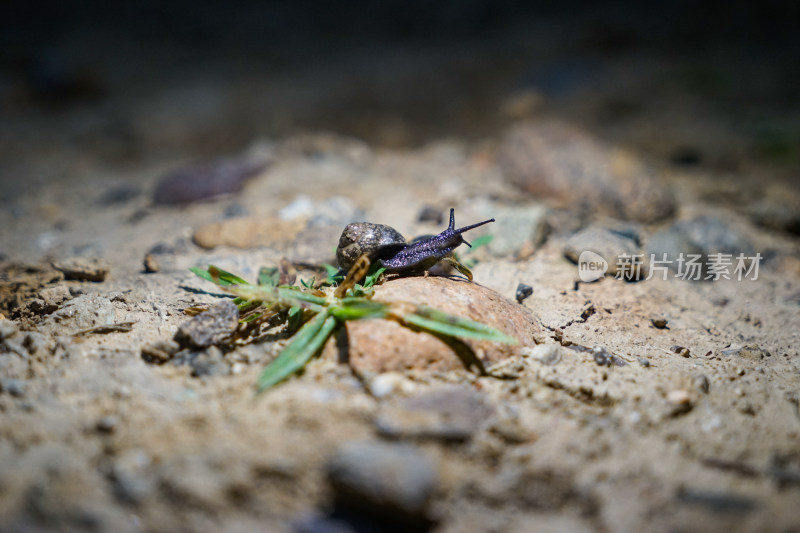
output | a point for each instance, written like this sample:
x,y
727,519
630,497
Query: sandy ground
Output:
x,y
685,417
95,437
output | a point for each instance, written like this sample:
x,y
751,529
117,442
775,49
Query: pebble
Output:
x,y
449,412
680,400
383,477
107,424
747,352
782,214
431,214
206,180
160,352
209,327
603,357
150,264
208,362
389,383
516,227
83,312
659,322
556,160
547,354
644,362
14,387
681,350
720,502
610,244
700,382
523,292
247,232
83,269
54,297
702,235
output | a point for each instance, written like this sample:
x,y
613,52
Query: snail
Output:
x,y
386,245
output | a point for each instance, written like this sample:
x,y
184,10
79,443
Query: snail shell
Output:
x,y
378,241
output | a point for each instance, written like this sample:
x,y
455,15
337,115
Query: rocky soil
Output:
x,y
654,403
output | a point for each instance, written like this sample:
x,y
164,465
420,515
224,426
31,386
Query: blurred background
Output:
x,y
91,87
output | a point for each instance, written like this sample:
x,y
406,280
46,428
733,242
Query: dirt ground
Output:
x,y
658,405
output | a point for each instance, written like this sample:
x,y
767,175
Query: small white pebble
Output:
x,y
679,397
389,382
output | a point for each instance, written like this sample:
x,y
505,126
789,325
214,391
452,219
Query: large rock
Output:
x,y
380,345
555,160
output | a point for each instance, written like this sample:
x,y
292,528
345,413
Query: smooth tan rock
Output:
x,y
379,345
246,232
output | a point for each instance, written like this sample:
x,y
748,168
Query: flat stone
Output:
x,y
449,413
608,243
247,232
83,269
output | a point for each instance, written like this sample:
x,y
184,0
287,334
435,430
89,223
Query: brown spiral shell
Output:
x,y
378,241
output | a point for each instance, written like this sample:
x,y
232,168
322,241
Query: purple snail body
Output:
x,y
394,254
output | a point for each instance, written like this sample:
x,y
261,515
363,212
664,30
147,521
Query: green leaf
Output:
x,y
305,345
440,322
370,280
225,278
269,276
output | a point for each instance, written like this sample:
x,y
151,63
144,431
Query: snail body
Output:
x,y
384,244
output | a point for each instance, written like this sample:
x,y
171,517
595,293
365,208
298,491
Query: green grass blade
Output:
x,y
446,324
359,309
225,278
306,343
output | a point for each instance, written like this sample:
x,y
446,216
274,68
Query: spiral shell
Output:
x,y
378,241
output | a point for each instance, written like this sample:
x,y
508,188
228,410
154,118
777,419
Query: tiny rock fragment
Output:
x,y
55,296
82,269
701,383
151,264
523,292
547,354
680,400
681,350
431,214
107,424
659,321
205,329
160,352
389,383
512,431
